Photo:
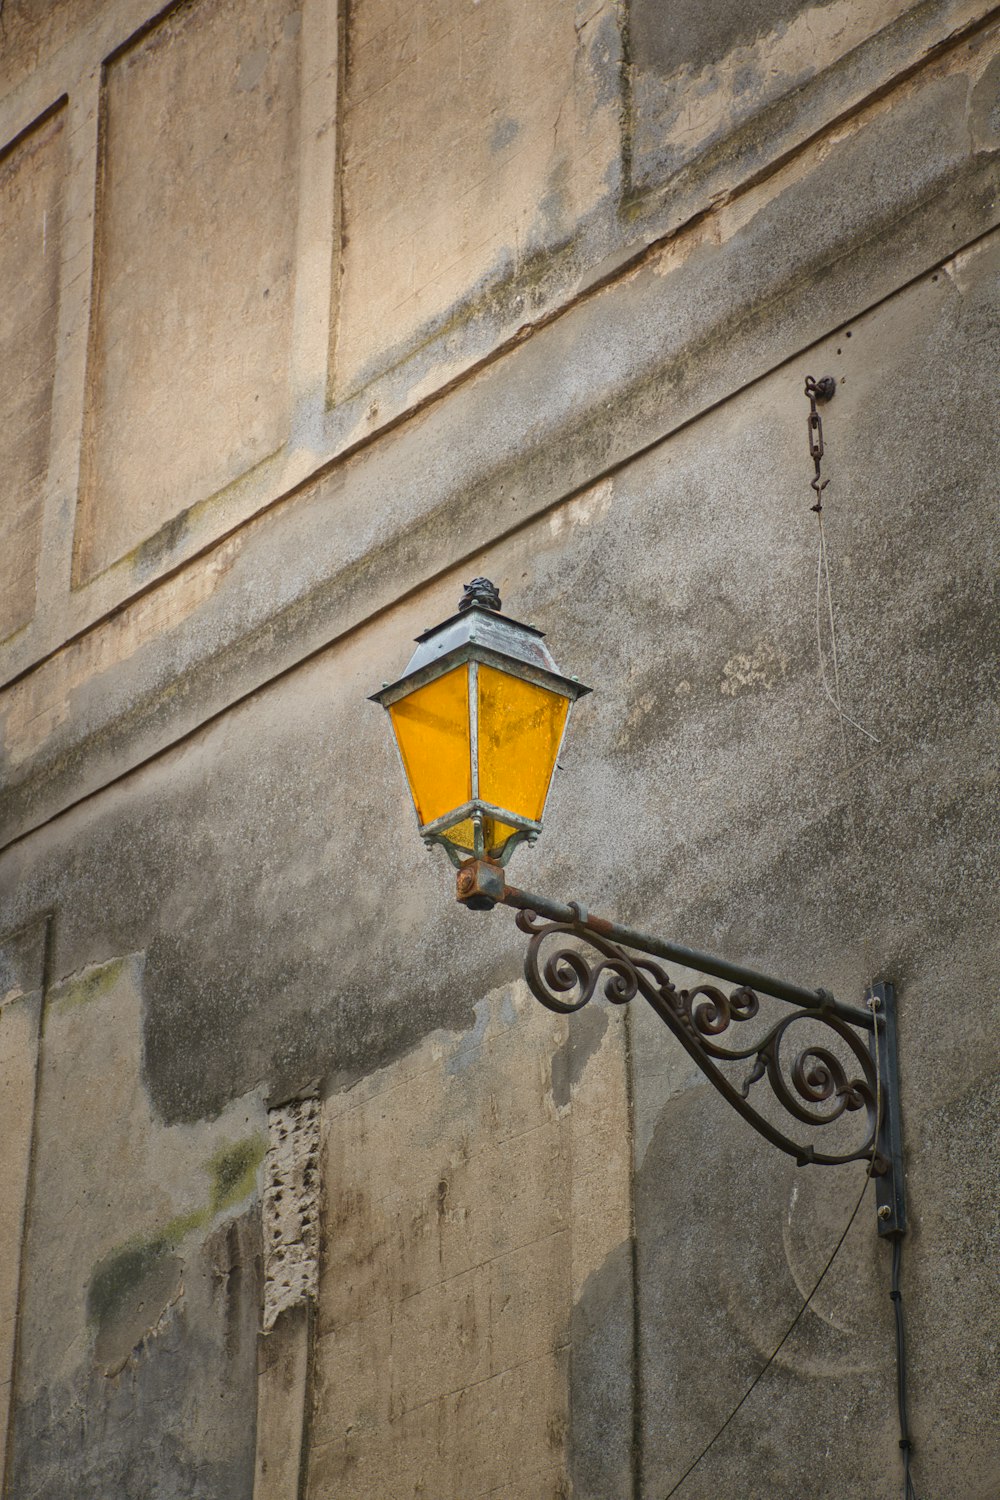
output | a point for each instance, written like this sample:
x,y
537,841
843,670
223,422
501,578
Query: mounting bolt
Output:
x,y
885,1212
825,388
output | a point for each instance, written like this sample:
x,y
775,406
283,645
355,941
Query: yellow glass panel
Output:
x,y
520,728
495,834
432,731
460,835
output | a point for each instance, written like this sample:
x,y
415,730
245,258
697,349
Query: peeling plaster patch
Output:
x,y
291,1207
965,268
251,69
681,247
695,81
642,707
570,1061
593,505
457,1062
748,671
504,131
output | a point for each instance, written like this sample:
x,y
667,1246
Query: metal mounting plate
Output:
x,y
889,1190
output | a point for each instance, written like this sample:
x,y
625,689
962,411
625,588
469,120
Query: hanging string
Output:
x,y
823,577
822,390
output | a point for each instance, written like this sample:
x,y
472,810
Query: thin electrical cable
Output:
x,y
778,1347
905,1443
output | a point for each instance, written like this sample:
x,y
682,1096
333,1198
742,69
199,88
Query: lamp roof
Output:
x,y
480,631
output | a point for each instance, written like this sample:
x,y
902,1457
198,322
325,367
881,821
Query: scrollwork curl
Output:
x,y
568,969
718,1010
818,1076
816,1089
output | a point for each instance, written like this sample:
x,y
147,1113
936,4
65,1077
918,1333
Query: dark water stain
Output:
x,y
128,1294
602,1382
694,33
568,1064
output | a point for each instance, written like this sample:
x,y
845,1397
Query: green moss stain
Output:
x,y
234,1171
178,1228
160,548
92,984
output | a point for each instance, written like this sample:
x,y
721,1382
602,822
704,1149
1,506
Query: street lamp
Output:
x,y
478,717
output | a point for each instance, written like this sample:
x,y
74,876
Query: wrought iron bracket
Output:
x,y
822,1060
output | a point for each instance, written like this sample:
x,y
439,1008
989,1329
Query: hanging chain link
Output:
x,y
818,390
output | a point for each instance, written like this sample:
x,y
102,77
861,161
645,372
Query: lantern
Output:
x,y
479,717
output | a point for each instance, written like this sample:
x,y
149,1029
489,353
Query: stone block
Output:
x,y
189,354
353,1383
530,1186
441,1339
360,1465
503,1428
448,1261
530,1301
454,1156
475,137
517,1097
31,199
357,1270
283,1398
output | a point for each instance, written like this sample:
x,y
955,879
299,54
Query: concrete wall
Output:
x,y
313,315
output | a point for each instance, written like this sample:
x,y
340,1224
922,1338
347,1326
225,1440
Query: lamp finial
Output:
x,y
480,591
